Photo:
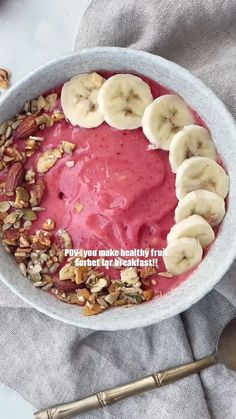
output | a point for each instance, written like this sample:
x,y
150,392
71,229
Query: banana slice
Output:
x,y
79,100
192,141
201,173
122,100
182,255
193,226
205,203
163,118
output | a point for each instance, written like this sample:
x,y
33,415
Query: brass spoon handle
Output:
x,y
116,394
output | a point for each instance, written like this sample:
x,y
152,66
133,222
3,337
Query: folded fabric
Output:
x,y
49,362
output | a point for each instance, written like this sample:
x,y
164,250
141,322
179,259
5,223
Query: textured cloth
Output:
x,y
47,361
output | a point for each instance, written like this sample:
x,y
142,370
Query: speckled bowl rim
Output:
x,y
223,129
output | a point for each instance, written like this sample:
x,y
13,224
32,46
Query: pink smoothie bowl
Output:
x,y
223,130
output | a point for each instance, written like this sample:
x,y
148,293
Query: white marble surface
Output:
x,y
33,32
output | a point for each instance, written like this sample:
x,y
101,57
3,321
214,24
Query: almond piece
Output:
x,y
92,309
27,127
14,178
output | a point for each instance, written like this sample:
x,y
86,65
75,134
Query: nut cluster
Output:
x,y
40,254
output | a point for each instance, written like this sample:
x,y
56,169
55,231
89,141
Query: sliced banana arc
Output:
x,y
201,173
122,100
205,203
191,141
194,226
182,254
79,100
163,118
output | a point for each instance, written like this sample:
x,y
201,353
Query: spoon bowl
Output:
x,y
226,347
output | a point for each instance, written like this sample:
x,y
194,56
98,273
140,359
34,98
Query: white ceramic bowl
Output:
x,y
223,130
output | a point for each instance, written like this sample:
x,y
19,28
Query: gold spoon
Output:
x,y
225,354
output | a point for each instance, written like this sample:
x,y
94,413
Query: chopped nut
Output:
x,y
4,206
120,302
33,142
67,272
44,237
37,192
33,106
12,154
22,198
99,285
68,147
83,293
79,274
65,239
11,236
102,302
92,309
50,101
48,159
47,278
4,78
44,119
49,225
41,103
30,176
57,115
3,128
111,298
11,218
79,206
147,271
24,242
130,276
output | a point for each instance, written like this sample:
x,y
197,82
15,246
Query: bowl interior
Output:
x,y
223,129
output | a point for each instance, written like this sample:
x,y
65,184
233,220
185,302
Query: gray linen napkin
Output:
x,y
47,361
